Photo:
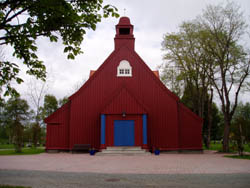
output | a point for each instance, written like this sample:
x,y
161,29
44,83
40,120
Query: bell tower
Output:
x,y
124,34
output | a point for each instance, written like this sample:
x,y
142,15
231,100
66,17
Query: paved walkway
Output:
x,y
41,179
208,163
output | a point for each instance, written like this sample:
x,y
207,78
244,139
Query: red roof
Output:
x,y
155,72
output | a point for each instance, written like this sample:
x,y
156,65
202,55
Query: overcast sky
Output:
x,y
151,19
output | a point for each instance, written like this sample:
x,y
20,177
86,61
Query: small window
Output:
x,y
121,71
124,69
124,31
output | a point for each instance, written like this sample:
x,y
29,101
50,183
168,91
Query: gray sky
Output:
x,y
151,19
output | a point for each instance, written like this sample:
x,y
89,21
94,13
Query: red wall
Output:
x,y
190,129
161,105
58,128
170,126
88,103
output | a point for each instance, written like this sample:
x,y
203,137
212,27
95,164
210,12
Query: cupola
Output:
x,y
124,34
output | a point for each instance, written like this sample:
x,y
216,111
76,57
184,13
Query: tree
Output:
x,y
242,116
36,92
184,53
212,59
170,76
22,22
16,113
3,127
63,101
226,27
50,105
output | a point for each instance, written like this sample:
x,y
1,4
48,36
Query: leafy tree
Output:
x,y
237,132
170,76
63,101
211,58
211,118
226,27
16,113
242,116
217,123
22,22
50,105
3,127
184,52
36,133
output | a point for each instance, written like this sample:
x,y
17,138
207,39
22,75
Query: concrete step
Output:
x,y
122,154
124,150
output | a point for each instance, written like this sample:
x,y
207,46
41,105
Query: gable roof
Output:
x,y
155,72
52,118
124,101
145,66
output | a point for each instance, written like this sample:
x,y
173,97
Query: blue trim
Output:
x,y
103,128
144,119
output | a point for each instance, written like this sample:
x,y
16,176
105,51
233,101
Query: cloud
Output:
x,y
151,19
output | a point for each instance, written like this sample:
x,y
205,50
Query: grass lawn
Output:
x,y
6,146
218,147
10,186
25,151
238,157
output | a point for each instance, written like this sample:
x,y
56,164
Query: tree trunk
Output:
x,y
240,141
209,114
18,136
226,135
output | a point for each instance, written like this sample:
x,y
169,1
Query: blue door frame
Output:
x,y
124,132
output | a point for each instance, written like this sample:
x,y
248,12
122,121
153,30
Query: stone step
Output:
x,y
124,150
122,154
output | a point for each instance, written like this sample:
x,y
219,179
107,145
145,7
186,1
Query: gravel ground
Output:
x,y
40,179
208,163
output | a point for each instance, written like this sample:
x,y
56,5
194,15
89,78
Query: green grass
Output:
x,y
238,157
6,146
218,147
247,147
25,151
10,186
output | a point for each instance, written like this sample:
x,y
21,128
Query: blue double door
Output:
x,y
124,132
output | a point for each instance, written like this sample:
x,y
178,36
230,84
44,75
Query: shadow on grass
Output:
x,y
238,157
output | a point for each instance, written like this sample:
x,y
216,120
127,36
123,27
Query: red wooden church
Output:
x,y
124,103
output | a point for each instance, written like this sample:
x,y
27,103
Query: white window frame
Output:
x,y
124,69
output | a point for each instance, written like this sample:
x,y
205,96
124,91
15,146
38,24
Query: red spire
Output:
x,y
124,33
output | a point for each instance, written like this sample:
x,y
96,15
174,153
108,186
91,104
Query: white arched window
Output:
x,y
124,69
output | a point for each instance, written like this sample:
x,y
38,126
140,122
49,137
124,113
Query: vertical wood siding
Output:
x,y
58,129
170,125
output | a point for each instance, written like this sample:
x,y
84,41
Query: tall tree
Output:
x,y
184,53
242,116
16,113
36,92
211,58
226,27
23,21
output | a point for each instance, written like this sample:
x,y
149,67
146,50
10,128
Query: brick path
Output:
x,y
207,163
